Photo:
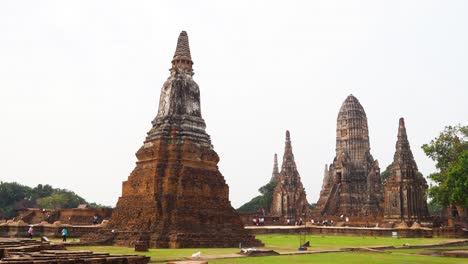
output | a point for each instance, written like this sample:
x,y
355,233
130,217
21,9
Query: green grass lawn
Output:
x,y
160,254
284,243
290,243
58,239
345,257
419,250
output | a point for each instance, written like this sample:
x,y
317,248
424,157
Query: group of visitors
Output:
x,y
64,233
322,223
327,222
258,221
30,232
343,217
296,223
95,220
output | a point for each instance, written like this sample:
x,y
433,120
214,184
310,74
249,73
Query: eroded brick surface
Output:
x,y
176,193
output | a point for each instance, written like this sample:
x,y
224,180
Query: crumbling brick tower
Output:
x,y
289,196
405,189
351,185
176,195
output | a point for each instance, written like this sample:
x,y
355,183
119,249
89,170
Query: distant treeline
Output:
x,y
15,196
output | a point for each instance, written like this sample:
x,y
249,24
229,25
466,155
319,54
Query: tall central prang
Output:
x,y
351,185
176,196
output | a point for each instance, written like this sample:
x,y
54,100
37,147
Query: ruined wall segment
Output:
x,y
405,189
289,196
176,195
351,184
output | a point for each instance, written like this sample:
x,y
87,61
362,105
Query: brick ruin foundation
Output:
x,y
363,231
176,197
72,216
28,251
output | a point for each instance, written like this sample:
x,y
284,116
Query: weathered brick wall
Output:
x,y
15,230
72,216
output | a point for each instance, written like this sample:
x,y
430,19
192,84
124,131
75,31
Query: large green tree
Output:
x,y
60,199
41,191
10,194
262,201
14,195
450,152
384,175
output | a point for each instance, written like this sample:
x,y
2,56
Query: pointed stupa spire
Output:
x,y
288,156
402,129
176,193
275,164
275,174
287,145
289,197
405,188
402,143
182,58
403,153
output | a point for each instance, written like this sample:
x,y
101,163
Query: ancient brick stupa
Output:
x,y
176,197
351,185
275,174
405,188
289,196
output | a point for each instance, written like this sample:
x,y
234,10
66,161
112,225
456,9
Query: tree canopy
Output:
x,y
262,201
384,175
15,196
450,152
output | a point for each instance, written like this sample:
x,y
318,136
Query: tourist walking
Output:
x,y
64,234
30,232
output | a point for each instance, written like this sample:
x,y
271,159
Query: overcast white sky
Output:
x,y
80,83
